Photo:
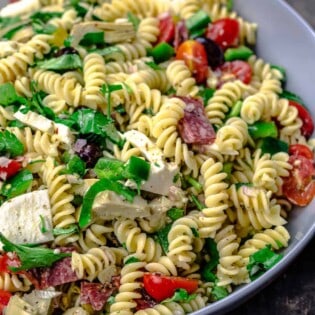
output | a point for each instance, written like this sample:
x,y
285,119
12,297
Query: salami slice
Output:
x,y
95,294
194,127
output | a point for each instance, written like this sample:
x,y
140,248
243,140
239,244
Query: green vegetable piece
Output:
x,y
82,11
292,97
198,33
138,169
238,53
8,95
45,16
76,166
42,28
10,144
206,94
227,168
111,300
112,169
199,20
219,293
211,248
73,228
229,5
134,20
197,203
94,190
261,261
18,184
43,227
113,135
207,274
273,146
195,232
111,53
62,63
162,237
16,123
162,52
93,38
34,257
131,260
175,213
153,65
235,110
194,183
180,295
263,129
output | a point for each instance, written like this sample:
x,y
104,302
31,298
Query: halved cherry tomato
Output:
x,y
195,57
299,187
4,299
167,28
6,262
302,150
163,287
8,168
236,70
308,124
225,32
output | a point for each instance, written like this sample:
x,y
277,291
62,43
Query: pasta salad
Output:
x,y
149,159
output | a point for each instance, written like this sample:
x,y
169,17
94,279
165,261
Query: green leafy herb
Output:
x,y
73,228
131,260
194,183
68,41
219,293
175,213
206,94
137,169
45,16
134,20
272,146
180,295
211,248
62,63
261,261
120,109
109,168
162,235
8,95
153,65
18,184
227,168
81,10
10,144
75,165
40,27
200,206
111,300
235,110
194,232
16,123
32,257
207,274
111,53
292,97
43,227
107,89
280,245
93,38
94,190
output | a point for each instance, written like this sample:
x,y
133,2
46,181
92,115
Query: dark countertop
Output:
x,y
293,293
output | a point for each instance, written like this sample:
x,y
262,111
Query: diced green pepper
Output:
x,y
162,52
198,21
283,72
273,146
238,53
235,110
263,129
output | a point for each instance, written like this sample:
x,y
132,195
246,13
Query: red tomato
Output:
x,y
301,149
237,70
4,299
167,28
8,168
299,187
6,262
195,56
163,287
225,32
308,124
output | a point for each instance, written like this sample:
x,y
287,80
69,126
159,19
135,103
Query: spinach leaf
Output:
x,y
8,95
75,165
211,248
162,237
18,184
10,144
175,213
31,257
62,63
261,261
93,38
180,295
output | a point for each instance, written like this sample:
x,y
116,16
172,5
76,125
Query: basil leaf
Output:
x,y
93,38
31,257
211,248
175,213
10,144
180,295
76,165
62,63
261,261
162,237
94,190
18,184
8,95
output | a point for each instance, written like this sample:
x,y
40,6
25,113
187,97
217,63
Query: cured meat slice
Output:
x,y
194,127
96,294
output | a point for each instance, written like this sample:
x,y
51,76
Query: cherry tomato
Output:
x,y
236,70
4,299
308,124
6,262
225,32
299,187
301,149
8,168
195,57
162,287
167,28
